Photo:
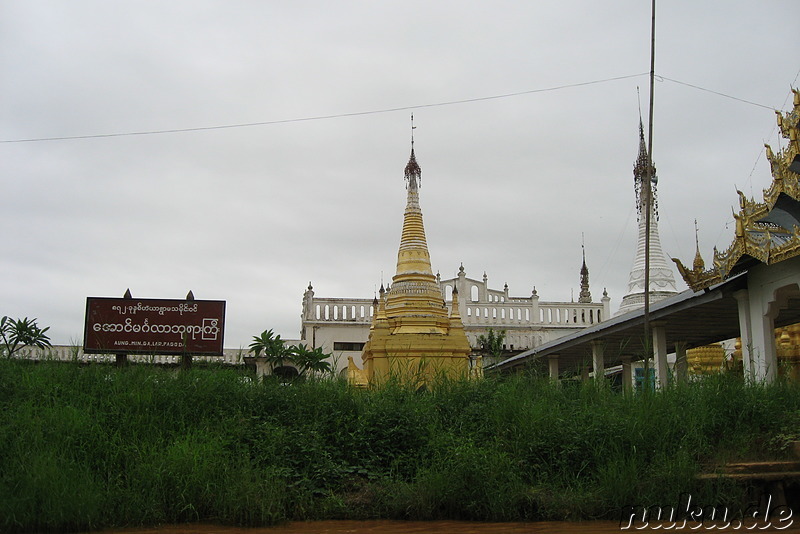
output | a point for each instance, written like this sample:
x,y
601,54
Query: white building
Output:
x,y
341,325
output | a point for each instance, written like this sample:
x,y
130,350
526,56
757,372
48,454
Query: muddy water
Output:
x,y
419,527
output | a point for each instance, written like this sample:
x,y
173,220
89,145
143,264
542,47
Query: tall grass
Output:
x,y
86,447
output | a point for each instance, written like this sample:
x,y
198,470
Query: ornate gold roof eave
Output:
x,y
753,237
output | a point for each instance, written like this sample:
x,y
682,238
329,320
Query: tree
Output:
x,y
491,344
307,359
275,352
20,333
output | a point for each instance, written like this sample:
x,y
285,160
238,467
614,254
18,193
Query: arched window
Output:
x,y
473,293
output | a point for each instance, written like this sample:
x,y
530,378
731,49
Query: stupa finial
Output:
x,y
413,172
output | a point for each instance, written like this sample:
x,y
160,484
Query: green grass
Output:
x,y
87,447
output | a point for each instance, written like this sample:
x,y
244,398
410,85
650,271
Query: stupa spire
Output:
x,y
585,295
413,256
414,278
662,281
640,174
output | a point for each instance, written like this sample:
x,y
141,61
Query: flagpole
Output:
x,y
648,190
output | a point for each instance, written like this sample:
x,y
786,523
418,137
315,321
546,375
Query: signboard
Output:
x,y
153,326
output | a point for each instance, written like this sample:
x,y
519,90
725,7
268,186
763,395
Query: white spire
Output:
x,y
662,281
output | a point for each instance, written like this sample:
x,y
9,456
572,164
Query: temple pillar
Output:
x,y
681,364
627,375
606,300
535,315
745,333
597,360
585,372
660,353
771,288
766,356
552,363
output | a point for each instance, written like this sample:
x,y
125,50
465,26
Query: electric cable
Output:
x,y
374,112
323,117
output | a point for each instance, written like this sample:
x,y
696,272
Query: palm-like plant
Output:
x,y
307,359
273,348
20,333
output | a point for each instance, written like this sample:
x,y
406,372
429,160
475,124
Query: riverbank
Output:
x,y
91,447
388,527
448,527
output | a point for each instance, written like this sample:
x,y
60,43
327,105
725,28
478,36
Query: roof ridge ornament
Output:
x,y
698,264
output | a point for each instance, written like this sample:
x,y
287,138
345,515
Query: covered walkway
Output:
x,y
689,319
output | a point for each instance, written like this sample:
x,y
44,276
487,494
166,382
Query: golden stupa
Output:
x,y
413,338
706,360
787,345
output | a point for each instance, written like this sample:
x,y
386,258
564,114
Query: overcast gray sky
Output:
x,y
251,214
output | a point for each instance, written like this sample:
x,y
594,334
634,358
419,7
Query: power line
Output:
x,y
323,117
717,93
372,112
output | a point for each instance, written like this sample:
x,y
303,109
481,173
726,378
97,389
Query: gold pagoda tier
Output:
x,y
706,360
413,337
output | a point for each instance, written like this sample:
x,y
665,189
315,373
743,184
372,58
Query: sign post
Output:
x,y
123,326
122,358
186,358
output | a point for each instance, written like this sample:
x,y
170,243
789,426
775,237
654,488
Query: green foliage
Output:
x,y
90,447
307,359
277,354
272,346
17,334
491,344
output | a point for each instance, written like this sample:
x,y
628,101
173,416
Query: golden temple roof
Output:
x,y
767,232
